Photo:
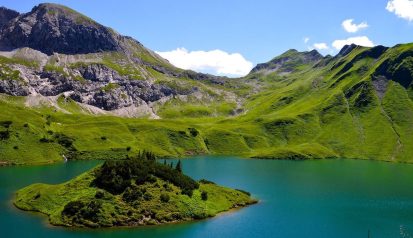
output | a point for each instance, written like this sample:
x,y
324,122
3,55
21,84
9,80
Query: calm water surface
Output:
x,y
329,198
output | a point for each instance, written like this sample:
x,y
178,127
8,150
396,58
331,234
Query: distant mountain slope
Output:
x,y
358,103
299,105
288,61
54,52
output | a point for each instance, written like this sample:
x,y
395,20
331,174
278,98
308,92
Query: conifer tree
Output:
x,y
179,166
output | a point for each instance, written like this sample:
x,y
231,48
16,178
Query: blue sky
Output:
x,y
244,31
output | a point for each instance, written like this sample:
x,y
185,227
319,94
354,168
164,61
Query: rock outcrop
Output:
x,y
51,28
6,15
93,84
54,50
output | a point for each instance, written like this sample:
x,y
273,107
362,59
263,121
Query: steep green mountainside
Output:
x,y
299,105
358,103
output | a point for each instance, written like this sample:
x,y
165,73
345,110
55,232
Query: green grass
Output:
x,y
312,112
149,209
69,105
78,17
17,60
55,68
116,62
110,87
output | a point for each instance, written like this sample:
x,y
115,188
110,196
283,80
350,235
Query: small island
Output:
x,y
132,192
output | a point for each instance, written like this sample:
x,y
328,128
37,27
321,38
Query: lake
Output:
x,y
326,198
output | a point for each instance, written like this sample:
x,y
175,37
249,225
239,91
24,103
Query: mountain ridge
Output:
x,y
53,51
52,28
299,105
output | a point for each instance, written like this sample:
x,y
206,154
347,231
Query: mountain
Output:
x,y
357,104
52,28
65,100
54,52
6,15
288,61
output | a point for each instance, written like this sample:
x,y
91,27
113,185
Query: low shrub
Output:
x,y
204,196
164,197
4,135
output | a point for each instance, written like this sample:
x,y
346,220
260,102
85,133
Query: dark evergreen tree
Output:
x,y
179,166
204,195
116,176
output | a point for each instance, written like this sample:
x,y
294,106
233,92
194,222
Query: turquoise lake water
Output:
x,y
328,198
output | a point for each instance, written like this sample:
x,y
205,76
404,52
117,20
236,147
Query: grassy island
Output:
x,y
132,192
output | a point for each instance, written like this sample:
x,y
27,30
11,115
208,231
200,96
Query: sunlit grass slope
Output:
x,y
357,104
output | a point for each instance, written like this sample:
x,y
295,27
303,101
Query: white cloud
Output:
x,y
306,40
359,40
351,27
215,61
321,46
402,8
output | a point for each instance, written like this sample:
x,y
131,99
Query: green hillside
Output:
x,y
357,104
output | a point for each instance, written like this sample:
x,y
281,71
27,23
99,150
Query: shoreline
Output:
x,y
46,218
4,164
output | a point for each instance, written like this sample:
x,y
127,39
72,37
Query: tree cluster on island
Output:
x,y
116,176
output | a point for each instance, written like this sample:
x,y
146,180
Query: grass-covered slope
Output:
x,y
357,104
130,192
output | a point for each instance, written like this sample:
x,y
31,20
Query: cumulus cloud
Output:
x,y
215,61
321,46
359,40
351,27
402,8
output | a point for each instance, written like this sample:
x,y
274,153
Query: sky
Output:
x,y
232,36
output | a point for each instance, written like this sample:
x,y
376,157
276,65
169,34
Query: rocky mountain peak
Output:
x,y
6,15
121,76
52,28
56,12
315,54
346,50
288,60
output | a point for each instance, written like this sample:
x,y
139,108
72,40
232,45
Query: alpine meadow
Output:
x,y
74,91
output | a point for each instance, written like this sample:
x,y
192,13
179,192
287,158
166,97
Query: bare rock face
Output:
x,y
111,100
93,84
121,92
346,50
14,88
54,50
99,73
53,84
6,15
52,28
